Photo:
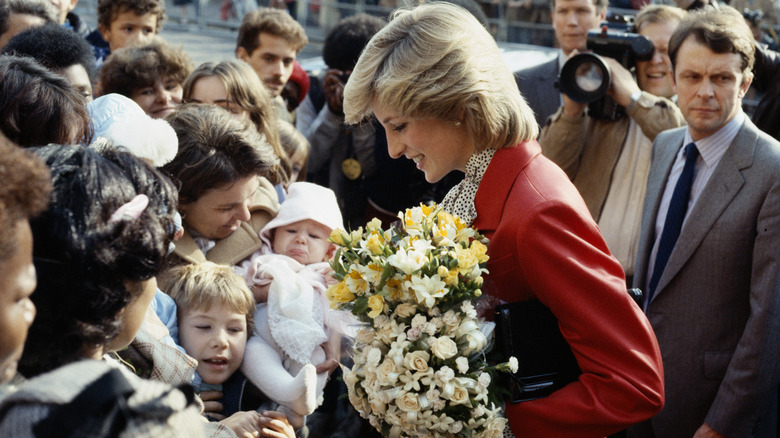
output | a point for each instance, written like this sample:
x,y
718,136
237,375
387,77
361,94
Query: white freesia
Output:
x,y
407,262
427,289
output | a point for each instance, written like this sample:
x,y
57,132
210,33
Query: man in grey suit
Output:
x,y
571,20
709,253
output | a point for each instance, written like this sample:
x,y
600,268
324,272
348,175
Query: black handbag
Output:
x,y
529,331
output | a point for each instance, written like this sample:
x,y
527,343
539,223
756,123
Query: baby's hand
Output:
x,y
330,280
245,424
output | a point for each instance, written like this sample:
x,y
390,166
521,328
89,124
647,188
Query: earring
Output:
x,y
457,123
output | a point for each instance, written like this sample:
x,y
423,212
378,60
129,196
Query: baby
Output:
x,y
288,277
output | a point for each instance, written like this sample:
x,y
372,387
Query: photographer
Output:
x,y
609,160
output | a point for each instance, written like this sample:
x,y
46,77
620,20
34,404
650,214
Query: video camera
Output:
x,y
586,77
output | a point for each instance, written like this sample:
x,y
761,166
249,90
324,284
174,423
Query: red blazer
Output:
x,y
544,244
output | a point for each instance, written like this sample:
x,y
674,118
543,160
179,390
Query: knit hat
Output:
x,y
306,201
119,121
300,77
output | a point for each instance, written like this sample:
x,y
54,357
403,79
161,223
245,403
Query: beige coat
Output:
x,y
588,150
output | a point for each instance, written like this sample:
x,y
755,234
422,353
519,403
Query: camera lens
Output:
x,y
585,78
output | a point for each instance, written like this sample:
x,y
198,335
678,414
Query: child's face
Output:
x,y
211,90
17,283
160,98
305,241
129,28
216,338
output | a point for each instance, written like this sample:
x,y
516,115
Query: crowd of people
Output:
x,y
165,226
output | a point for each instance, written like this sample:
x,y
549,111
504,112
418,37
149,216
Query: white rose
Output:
x,y
417,360
455,427
408,402
463,364
443,347
460,396
386,373
494,427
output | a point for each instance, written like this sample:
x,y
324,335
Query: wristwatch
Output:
x,y
636,95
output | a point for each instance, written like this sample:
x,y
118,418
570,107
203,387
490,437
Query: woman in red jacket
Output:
x,y
435,79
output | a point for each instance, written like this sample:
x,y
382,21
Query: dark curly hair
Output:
x,y
53,46
347,39
38,107
131,68
24,192
108,10
83,260
214,149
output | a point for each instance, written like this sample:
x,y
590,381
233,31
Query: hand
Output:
x,y
245,424
211,406
707,432
333,89
623,83
275,424
330,280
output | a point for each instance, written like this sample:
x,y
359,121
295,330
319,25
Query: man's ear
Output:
x,y
72,5
242,54
746,81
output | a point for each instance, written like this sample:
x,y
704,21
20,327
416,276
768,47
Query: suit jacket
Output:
x,y
716,309
537,85
544,244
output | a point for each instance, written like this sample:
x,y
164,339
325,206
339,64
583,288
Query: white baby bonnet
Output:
x,y
305,201
120,122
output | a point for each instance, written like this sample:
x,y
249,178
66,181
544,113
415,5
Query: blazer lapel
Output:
x,y
664,154
723,185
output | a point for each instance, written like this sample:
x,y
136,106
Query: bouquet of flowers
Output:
x,y
419,360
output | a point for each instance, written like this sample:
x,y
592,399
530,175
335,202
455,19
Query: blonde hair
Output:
x,y
243,86
202,285
436,61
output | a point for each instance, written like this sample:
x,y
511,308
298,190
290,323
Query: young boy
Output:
x,y
122,23
215,310
288,277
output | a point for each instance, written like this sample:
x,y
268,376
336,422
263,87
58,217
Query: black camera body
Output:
x,y
586,78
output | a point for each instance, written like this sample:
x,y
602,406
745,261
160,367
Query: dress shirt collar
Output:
x,y
713,147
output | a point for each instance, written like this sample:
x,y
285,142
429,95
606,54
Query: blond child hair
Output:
x,y
200,286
